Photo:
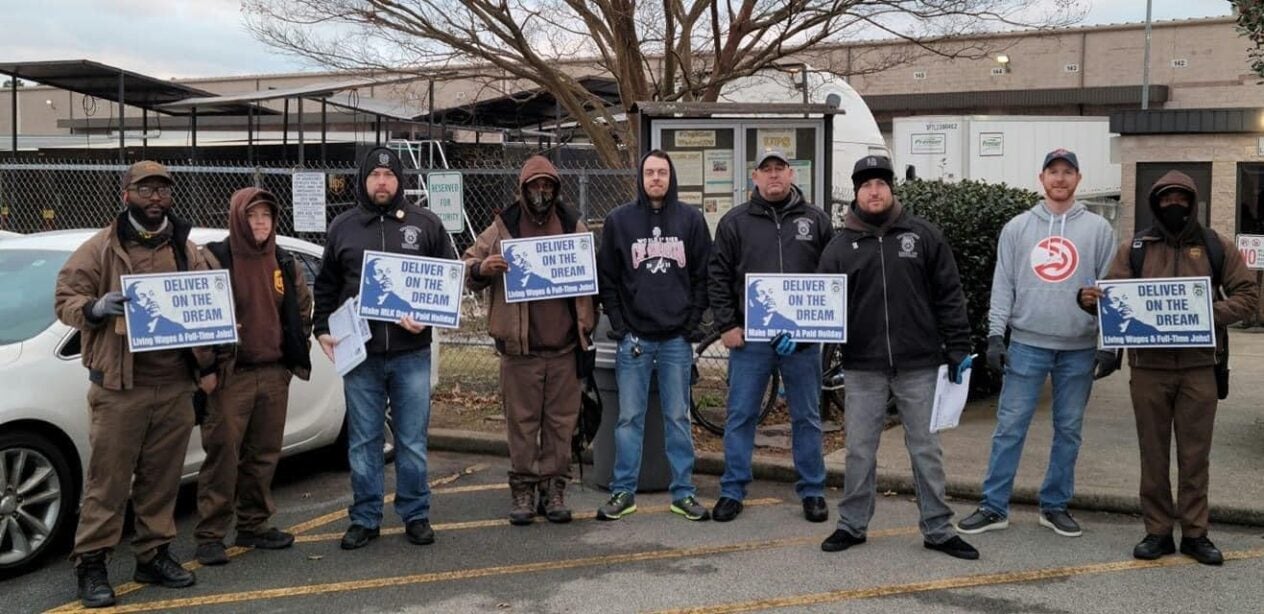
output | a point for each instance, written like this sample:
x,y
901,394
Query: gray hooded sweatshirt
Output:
x,y
1042,260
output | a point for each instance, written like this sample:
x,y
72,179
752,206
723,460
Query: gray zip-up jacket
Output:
x,y
1042,260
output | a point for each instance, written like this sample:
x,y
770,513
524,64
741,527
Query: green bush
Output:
x,y
971,215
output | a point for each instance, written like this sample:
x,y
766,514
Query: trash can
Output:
x,y
655,473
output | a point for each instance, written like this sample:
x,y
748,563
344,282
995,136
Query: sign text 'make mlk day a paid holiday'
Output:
x,y
562,262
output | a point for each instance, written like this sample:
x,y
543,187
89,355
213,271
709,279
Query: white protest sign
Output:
x,y
1169,312
428,289
811,308
179,310
557,266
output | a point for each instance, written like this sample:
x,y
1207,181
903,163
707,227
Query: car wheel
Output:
x,y
37,497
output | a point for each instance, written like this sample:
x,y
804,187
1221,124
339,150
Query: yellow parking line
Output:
x,y
1010,577
498,522
131,587
483,572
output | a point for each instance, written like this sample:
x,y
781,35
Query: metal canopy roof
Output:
x,y
107,83
708,109
520,109
1188,121
212,103
942,101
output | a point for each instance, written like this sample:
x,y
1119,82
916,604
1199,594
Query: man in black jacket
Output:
x,y
398,363
777,231
906,315
653,273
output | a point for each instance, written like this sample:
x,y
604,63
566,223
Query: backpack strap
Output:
x,y
1136,257
1211,241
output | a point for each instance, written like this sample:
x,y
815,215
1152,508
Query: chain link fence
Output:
x,y
53,195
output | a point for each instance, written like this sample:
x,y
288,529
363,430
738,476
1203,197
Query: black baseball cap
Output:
x,y
869,167
772,154
1065,155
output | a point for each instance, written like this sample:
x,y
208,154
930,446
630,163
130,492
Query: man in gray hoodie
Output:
x,y
1044,256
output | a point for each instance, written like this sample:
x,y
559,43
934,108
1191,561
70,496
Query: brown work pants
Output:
x,y
141,433
541,400
1185,401
242,436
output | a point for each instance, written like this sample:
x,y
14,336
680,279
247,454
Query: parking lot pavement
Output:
x,y
653,560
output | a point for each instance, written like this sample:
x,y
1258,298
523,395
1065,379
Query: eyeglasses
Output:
x,y
147,191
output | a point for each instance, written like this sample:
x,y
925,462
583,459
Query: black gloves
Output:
x,y
1106,362
109,305
997,354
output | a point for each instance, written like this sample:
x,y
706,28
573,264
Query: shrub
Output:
x,y
971,215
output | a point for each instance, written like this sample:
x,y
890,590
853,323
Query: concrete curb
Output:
x,y
782,470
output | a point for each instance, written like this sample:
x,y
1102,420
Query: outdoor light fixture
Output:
x,y
1003,60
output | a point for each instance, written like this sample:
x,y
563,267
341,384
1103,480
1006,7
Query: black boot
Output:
x,y
1154,546
165,570
1202,550
522,492
94,581
553,500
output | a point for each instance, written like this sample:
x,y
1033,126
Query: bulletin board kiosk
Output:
x,y
714,146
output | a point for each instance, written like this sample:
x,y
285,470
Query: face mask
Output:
x,y
540,201
1174,218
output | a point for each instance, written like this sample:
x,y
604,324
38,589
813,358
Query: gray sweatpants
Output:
x,y
866,404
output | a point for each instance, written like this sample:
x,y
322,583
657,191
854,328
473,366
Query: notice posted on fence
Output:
x,y
308,195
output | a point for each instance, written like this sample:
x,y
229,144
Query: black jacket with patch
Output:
x,y
398,228
905,305
755,237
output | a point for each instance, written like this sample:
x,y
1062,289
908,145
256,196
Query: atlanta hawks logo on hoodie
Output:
x,y
661,250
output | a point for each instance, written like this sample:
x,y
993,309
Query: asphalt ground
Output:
x,y
768,559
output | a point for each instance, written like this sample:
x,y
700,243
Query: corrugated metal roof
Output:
x,y
940,101
1188,121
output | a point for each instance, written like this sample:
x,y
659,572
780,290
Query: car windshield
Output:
x,y
28,277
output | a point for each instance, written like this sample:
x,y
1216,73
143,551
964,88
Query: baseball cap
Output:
x,y
1061,154
872,166
144,170
772,154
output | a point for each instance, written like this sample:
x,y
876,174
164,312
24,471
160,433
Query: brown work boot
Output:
x,y
522,491
553,500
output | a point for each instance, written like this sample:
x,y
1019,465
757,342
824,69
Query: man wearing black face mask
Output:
x,y
537,342
1175,390
141,404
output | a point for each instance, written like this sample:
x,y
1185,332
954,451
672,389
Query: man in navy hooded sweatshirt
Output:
x,y
652,271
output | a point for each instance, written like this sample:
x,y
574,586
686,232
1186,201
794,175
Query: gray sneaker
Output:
x,y
981,521
620,504
1061,522
690,509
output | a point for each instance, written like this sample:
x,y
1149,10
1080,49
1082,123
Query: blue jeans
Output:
x,y
671,360
1025,373
405,379
750,366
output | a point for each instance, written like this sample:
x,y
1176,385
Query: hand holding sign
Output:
x,y
493,265
411,325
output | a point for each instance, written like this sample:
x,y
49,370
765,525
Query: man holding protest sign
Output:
x,y
906,317
1043,256
141,403
245,423
1176,389
541,333
776,215
653,266
398,363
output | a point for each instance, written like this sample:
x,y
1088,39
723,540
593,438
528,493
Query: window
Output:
x,y
1250,198
311,267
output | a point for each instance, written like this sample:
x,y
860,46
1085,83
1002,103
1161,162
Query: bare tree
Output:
x,y
663,50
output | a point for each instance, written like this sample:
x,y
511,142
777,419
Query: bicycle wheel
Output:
x,y
709,397
832,385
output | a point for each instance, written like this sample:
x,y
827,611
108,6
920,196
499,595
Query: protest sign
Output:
x,y
179,310
395,285
809,307
1171,312
557,266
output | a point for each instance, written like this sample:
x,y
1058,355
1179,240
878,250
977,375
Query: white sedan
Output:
x,y
43,411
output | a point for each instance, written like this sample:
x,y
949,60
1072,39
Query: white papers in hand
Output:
x,y
350,331
950,400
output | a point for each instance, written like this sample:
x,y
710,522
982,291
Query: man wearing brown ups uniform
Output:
x,y
537,342
245,422
1176,390
141,405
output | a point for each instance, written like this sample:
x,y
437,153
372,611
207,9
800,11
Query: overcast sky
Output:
x,y
203,38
